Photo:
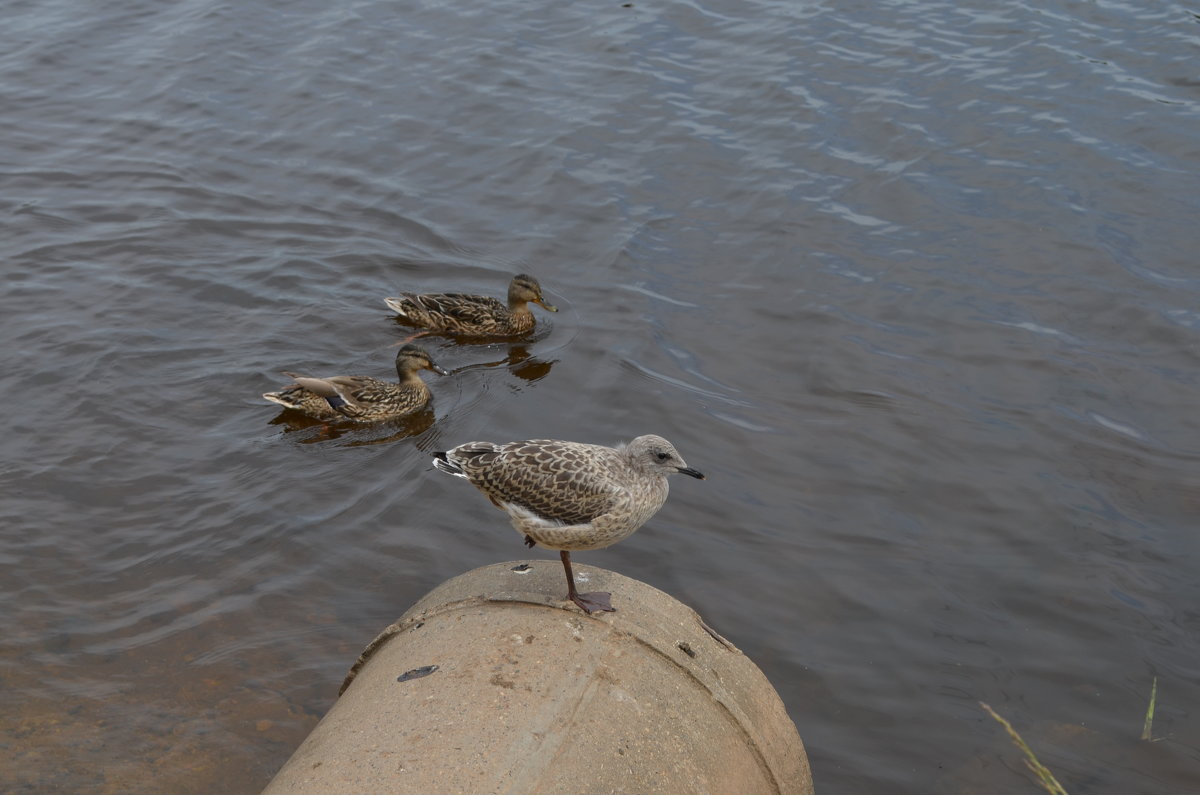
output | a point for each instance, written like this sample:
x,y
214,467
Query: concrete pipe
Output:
x,y
495,683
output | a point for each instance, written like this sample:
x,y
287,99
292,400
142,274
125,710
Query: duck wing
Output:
x,y
348,395
470,309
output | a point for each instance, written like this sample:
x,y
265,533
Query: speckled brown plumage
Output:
x,y
474,315
568,495
361,397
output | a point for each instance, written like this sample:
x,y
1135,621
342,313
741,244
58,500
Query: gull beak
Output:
x,y
697,474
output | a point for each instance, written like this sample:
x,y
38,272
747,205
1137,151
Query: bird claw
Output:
x,y
594,602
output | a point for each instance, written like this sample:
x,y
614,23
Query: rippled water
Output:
x,y
913,283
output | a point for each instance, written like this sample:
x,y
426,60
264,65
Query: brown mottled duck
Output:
x,y
474,315
361,397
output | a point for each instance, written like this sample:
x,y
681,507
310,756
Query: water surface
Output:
x,y
913,283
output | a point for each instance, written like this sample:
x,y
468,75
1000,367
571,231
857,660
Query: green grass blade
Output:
x,y
1150,712
1044,776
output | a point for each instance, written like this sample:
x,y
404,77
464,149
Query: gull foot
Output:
x,y
595,602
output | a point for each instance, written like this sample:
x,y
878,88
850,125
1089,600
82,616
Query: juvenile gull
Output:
x,y
361,397
569,495
474,315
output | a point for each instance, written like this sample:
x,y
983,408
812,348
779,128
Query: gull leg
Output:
x,y
596,601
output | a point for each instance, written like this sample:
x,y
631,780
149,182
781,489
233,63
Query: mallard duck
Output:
x,y
474,315
361,397
569,495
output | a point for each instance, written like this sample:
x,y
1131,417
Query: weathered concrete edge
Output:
x,y
770,738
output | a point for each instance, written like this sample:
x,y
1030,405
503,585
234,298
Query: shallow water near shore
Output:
x,y
913,284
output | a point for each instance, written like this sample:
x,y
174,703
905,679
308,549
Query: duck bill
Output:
x,y
548,307
438,370
697,474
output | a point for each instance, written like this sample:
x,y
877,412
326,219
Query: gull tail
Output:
x,y
442,462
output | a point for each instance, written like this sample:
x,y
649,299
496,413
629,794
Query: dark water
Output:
x,y
913,283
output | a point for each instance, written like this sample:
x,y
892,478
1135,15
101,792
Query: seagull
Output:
x,y
569,495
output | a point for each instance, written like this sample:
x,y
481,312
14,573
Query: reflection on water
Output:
x,y
359,433
520,361
526,367
915,289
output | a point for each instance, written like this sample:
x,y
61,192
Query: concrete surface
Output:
x,y
494,683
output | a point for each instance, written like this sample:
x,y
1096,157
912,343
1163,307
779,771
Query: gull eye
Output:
x,y
661,456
